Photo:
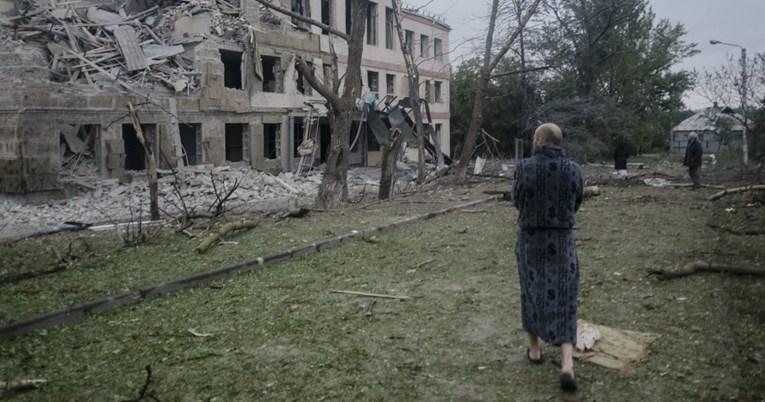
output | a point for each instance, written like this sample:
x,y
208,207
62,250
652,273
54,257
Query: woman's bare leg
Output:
x,y
535,352
567,362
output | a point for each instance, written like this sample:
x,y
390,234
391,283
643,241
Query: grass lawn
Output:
x,y
279,334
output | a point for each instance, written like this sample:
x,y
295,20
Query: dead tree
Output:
x,y
490,62
151,164
333,189
389,154
413,77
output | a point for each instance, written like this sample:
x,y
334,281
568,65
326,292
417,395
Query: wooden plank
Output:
x,y
127,42
365,294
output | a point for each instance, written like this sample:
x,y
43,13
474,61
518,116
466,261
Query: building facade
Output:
x,y
718,129
220,84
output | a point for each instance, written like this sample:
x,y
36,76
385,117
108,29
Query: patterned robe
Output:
x,y
547,191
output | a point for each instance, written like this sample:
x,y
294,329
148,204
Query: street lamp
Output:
x,y
745,144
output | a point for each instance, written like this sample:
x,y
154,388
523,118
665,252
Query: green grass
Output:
x,y
279,334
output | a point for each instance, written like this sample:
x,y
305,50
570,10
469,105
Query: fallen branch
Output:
x,y
142,394
20,385
701,266
379,296
293,213
214,238
714,186
736,190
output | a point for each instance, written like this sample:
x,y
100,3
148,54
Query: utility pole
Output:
x,y
744,92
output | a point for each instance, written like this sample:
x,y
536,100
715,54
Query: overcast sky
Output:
x,y
735,21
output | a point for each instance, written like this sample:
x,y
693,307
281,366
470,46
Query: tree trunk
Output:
x,y
420,132
151,165
389,155
334,184
475,126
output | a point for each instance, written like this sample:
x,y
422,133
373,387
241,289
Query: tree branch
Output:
x,y
509,43
320,87
305,19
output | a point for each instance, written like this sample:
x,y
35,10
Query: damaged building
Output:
x,y
214,82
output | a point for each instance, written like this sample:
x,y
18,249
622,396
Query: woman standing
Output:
x,y
547,191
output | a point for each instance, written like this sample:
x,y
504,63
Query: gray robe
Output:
x,y
547,191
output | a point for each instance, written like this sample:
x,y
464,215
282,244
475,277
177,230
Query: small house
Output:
x,y
718,129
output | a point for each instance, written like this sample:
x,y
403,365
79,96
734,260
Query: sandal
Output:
x,y
540,360
567,382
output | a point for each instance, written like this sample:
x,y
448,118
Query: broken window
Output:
x,y
79,146
302,83
298,134
438,50
232,69
191,139
389,28
327,11
373,80
235,142
438,92
271,141
409,41
390,84
424,46
135,156
301,7
272,74
372,24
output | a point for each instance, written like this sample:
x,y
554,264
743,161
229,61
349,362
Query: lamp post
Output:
x,y
744,93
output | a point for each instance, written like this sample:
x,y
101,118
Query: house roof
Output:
x,y
707,120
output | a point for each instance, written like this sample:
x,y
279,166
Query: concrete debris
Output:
x,y
133,45
100,201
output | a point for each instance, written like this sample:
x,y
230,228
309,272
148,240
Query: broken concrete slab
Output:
x,y
127,43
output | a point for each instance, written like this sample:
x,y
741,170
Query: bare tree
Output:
x,y
737,83
413,77
151,164
490,62
333,189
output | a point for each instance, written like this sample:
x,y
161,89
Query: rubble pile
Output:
x,y
108,201
133,45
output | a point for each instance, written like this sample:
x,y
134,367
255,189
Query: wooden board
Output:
x,y
127,42
617,349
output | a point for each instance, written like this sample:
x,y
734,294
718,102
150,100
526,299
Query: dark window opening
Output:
x,y
135,157
373,80
438,50
390,84
325,135
389,28
424,46
235,135
301,7
272,74
372,144
326,14
271,141
372,24
409,41
191,138
439,92
298,132
232,65
302,83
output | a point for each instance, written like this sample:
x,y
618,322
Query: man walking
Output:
x,y
693,156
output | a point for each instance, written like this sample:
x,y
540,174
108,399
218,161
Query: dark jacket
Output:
x,y
547,190
620,157
693,154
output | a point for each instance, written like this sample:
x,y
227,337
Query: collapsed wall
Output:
x,y
193,68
